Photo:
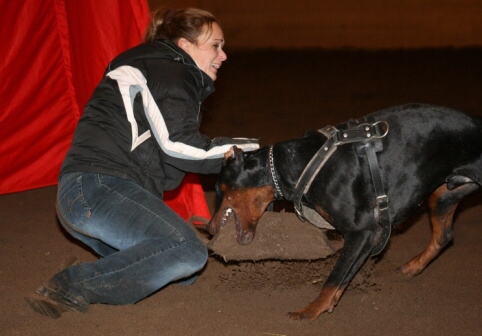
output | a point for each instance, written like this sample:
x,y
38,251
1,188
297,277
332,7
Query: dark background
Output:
x,y
367,24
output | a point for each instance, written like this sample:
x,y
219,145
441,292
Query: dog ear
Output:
x,y
234,154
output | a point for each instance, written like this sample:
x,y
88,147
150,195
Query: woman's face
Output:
x,y
208,51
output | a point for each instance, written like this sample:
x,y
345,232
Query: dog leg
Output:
x,y
326,301
357,248
442,203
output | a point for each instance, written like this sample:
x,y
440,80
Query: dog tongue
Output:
x,y
279,235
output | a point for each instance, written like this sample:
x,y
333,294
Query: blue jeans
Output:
x,y
144,244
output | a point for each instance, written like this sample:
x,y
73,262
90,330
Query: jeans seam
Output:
x,y
140,205
66,222
68,178
76,299
80,301
81,199
182,244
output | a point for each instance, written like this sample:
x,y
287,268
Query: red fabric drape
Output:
x,y
53,53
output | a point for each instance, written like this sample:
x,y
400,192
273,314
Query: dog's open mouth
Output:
x,y
219,220
222,218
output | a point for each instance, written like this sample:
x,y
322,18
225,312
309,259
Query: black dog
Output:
x,y
369,175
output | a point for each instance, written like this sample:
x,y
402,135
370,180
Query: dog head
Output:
x,y
243,190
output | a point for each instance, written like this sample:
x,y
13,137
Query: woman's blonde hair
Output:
x,y
174,23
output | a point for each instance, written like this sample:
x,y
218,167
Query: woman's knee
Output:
x,y
198,254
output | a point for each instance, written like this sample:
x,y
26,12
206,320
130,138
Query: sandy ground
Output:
x,y
276,95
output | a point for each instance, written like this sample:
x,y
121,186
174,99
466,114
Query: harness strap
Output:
x,y
381,197
369,135
314,166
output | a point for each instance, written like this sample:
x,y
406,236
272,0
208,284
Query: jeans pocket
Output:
x,y
72,208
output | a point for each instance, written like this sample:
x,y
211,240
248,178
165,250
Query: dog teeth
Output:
x,y
227,214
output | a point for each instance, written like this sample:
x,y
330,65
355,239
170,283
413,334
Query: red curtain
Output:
x,y
53,53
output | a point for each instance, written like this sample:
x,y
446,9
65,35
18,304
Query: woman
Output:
x,y
138,136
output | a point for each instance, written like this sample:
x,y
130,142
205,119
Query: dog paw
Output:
x,y
305,314
299,316
409,271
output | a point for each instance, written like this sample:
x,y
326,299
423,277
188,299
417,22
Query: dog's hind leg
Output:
x,y
442,203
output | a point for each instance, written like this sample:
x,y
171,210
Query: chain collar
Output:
x,y
273,173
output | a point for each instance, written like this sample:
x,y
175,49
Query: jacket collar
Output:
x,y
164,49
181,56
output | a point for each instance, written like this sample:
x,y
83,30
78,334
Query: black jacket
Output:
x,y
142,121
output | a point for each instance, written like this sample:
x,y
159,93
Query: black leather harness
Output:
x,y
367,135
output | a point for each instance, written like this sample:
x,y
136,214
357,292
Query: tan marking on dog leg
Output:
x,y
325,302
441,222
